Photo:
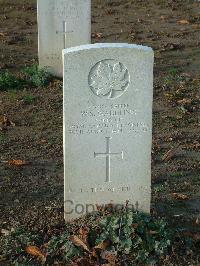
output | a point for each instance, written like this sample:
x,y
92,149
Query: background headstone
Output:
x,y
61,24
108,92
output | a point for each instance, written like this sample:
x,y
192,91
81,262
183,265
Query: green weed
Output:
x,y
148,239
30,76
2,138
173,76
173,71
37,77
63,247
159,188
9,81
176,174
29,98
12,95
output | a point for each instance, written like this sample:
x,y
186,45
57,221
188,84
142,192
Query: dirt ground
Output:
x,y
33,194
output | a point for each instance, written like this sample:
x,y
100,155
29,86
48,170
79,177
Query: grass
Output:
x,y
12,94
29,76
29,98
173,76
173,71
177,174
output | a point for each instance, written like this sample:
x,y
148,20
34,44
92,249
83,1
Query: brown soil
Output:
x,y
33,194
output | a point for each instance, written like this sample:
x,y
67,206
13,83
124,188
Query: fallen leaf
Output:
x,y
97,35
82,262
170,154
183,21
43,141
7,122
97,249
2,258
79,243
163,17
184,101
104,245
36,252
171,46
83,234
185,74
110,256
196,26
180,196
17,162
5,232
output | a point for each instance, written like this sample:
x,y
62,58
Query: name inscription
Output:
x,y
108,119
62,9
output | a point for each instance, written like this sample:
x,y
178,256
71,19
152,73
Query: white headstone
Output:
x,y
61,24
108,92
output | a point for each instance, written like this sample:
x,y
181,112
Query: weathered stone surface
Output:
x,y
61,24
108,91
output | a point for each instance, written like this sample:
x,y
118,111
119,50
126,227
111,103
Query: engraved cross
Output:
x,y
108,155
64,32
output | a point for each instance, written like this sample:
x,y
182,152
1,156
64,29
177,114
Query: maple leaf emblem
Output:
x,y
109,78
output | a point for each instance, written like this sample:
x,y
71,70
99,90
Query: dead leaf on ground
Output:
x,y
196,26
103,246
43,141
183,21
170,154
7,122
100,247
163,17
184,101
83,234
180,196
171,46
2,258
16,162
97,35
2,34
110,256
79,243
36,252
5,232
82,262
